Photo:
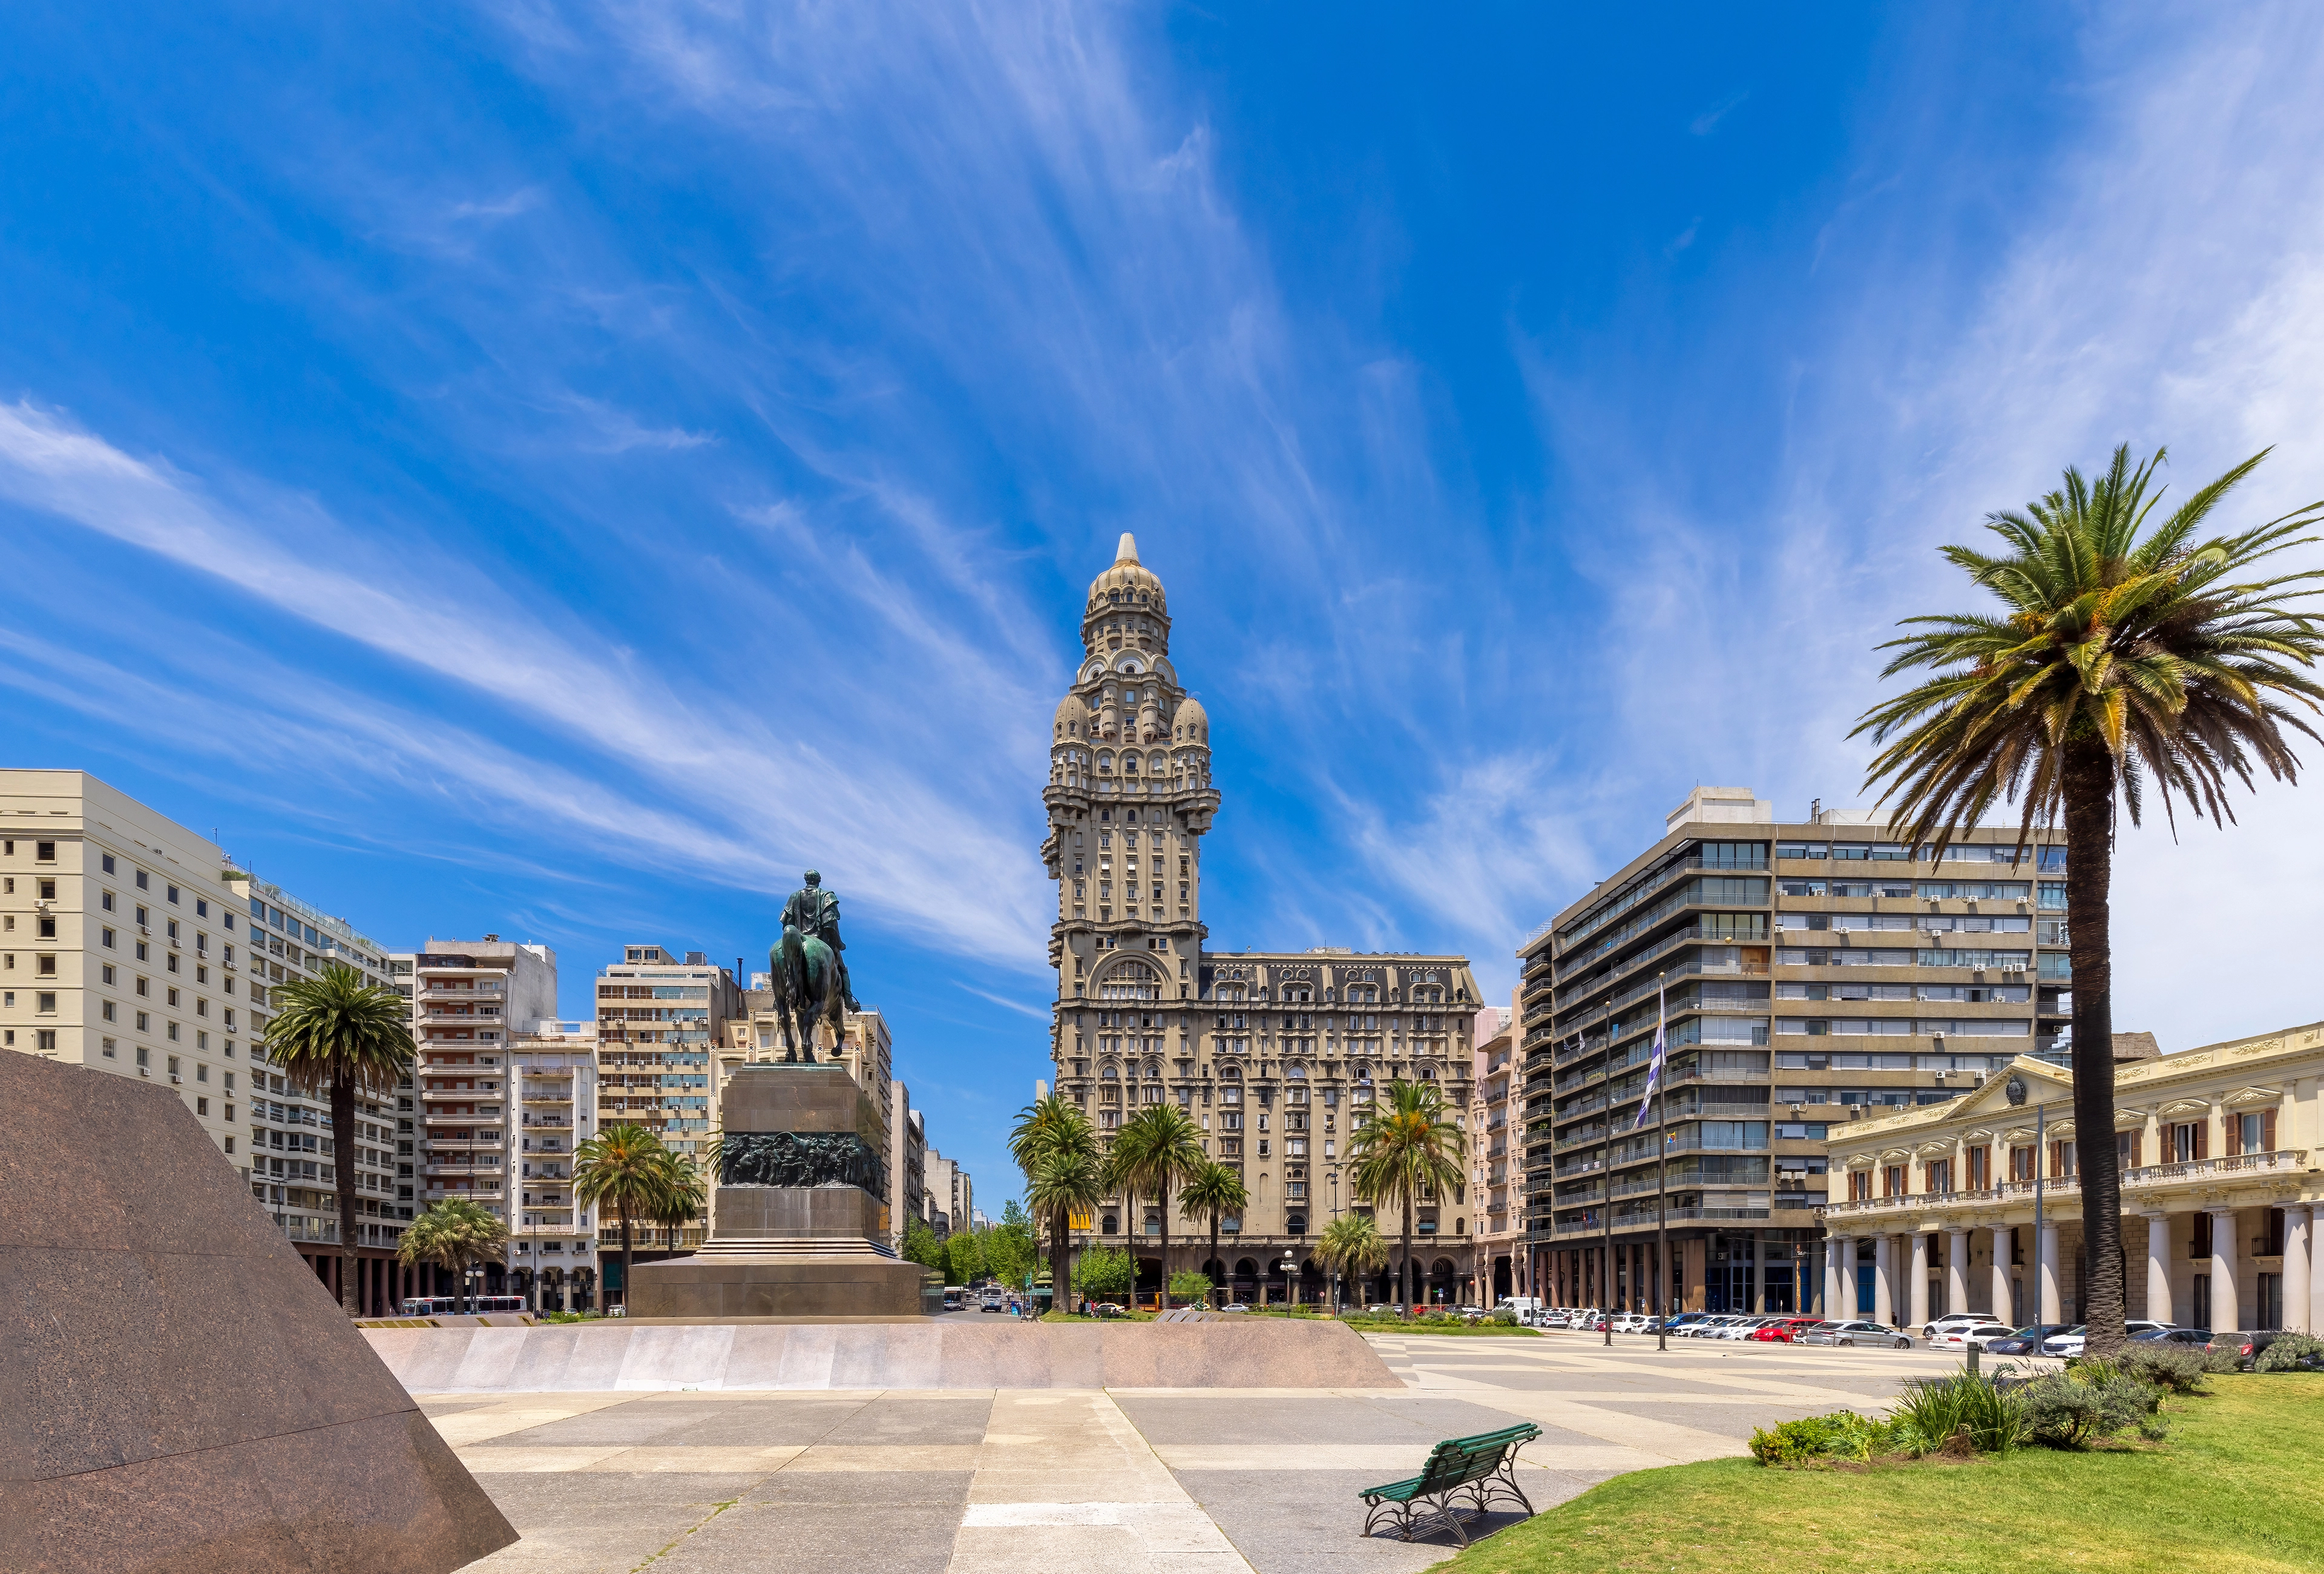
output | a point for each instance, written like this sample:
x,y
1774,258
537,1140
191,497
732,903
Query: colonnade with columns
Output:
x,y
2218,1264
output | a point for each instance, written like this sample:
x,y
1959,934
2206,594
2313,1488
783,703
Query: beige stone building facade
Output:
x,y
1496,1159
1275,1055
1933,1209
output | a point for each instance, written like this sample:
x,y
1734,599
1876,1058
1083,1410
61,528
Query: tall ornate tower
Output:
x,y
1130,796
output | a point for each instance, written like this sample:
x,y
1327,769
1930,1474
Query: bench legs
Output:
x,y
1421,1516
1501,1484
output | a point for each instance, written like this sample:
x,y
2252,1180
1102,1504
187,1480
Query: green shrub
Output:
x,y
1188,1286
2289,1353
2175,1368
1816,1439
1974,1409
2222,1361
2066,1410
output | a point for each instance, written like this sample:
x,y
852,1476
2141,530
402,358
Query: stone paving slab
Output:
x,y
1225,1480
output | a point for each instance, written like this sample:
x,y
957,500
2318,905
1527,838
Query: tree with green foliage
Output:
x,y
1105,1271
1153,1151
964,1257
1407,1148
1352,1245
685,1195
2116,663
337,1036
1188,1284
453,1234
1056,1147
1215,1191
627,1167
921,1245
1010,1250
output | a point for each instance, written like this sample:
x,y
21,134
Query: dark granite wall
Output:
x,y
178,1391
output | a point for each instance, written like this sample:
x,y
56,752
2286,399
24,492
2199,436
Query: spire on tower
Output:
x,y
1128,551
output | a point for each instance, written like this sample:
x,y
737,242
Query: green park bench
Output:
x,y
1478,1468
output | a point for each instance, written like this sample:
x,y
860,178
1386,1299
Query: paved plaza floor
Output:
x,y
1174,1481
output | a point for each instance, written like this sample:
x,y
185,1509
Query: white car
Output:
x,y
2069,1343
1707,1329
1742,1327
1936,1326
1967,1336
1632,1322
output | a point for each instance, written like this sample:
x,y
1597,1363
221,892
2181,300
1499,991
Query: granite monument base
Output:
x,y
724,1285
178,1391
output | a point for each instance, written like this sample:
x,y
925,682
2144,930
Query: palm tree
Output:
x,y
339,1033
1056,1147
685,1194
1155,1149
2115,662
627,1166
1403,1148
1216,1190
1352,1246
453,1234
1061,1182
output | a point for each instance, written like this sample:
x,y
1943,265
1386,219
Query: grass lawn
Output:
x,y
2235,1490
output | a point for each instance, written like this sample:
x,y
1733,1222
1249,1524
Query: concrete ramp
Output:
x,y
646,1357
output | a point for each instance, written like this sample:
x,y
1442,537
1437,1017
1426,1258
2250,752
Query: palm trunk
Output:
x,y
2090,789
1060,1276
1215,1258
1405,1272
1162,1200
627,1279
343,1166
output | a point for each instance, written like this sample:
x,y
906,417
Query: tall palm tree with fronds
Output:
x,y
1217,1190
1155,1149
1353,1246
1405,1148
684,1196
2127,655
453,1234
1061,1182
339,1035
626,1166
1056,1147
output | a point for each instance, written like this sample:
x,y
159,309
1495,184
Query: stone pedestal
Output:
x,y
177,1389
798,1220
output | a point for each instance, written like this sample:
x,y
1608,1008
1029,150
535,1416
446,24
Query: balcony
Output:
x,y
2282,1161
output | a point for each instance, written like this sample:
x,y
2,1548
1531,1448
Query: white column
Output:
x,y
2047,1270
1917,1293
1884,1274
1838,1258
2316,1271
2226,1315
2158,1267
1956,1270
2001,1312
2296,1285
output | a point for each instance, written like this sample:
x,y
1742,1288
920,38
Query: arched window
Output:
x,y
1154,1070
1229,1074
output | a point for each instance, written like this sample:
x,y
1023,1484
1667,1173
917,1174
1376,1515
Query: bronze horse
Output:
x,y
809,989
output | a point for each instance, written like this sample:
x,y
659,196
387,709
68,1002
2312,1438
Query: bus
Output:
x,y
442,1305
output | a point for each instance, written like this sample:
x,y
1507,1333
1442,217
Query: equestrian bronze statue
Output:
x,y
810,971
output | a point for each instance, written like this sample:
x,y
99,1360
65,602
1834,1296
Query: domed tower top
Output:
x,y
1073,718
1191,724
1127,610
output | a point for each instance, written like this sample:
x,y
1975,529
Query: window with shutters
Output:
x,y
2251,1133
2021,1163
1980,1168
1892,1180
2184,1143
2127,1145
1860,1186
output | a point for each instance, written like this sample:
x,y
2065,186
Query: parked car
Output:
x,y
1743,1327
2175,1336
1107,1309
1858,1332
1236,1306
2071,1342
1936,1326
2027,1340
1708,1326
1823,1333
1678,1325
1783,1331
2244,1345
1968,1336
1633,1322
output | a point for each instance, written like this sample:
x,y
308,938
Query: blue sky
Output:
x,y
558,470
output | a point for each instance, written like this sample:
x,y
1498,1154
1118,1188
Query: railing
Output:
x,y
1864,1205
2278,1159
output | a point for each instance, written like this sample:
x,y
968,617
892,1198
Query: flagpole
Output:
x,y
1606,1199
1662,1177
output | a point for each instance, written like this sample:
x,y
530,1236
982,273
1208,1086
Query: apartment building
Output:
x,y
552,1242
1267,1050
1815,972
659,1014
1933,1208
908,1163
292,1164
951,1196
123,949
469,1000
1497,1261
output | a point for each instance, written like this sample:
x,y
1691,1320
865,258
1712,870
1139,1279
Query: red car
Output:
x,y
1784,1331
